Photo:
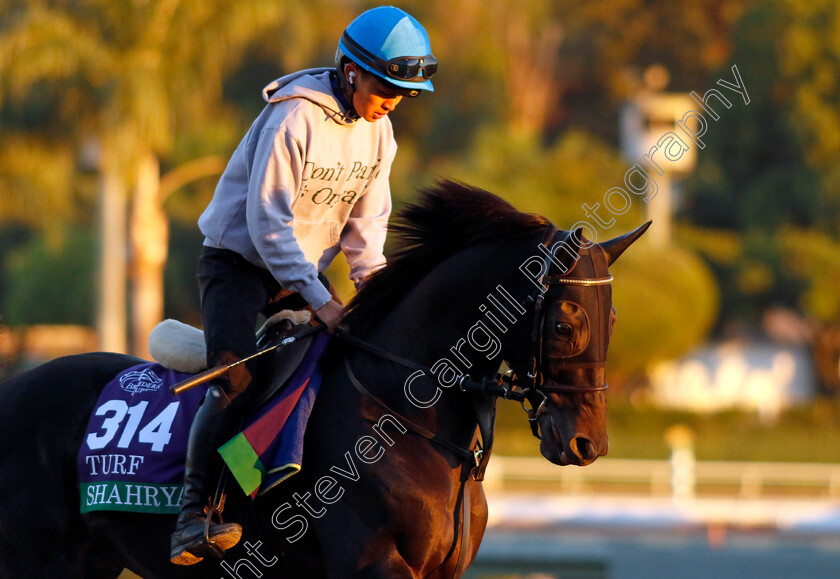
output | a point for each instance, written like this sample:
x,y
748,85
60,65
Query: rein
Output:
x,y
417,428
475,460
488,386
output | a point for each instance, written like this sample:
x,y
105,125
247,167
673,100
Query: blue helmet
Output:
x,y
391,44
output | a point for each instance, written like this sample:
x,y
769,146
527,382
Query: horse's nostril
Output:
x,y
583,449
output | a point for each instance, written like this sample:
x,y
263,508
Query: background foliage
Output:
x,y
527,105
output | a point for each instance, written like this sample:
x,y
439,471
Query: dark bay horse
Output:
x,y
387,487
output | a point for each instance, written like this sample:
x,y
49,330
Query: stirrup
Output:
x,y
211,545
226,540
192,552
227,537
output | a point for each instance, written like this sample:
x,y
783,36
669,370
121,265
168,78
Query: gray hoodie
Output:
x,y
306,182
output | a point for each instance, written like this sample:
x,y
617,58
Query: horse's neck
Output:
x,y
454,322
478,288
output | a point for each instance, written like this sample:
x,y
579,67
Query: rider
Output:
x,y
308,180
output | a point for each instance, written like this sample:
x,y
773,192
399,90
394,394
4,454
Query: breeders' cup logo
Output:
x,y
138,381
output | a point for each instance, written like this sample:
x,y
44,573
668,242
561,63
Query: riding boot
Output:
x,y
194,539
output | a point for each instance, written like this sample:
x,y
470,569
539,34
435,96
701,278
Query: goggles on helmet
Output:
x,y
407,68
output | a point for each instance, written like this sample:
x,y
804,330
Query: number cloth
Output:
x,y
132,456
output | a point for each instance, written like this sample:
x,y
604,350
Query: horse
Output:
x,y
401,429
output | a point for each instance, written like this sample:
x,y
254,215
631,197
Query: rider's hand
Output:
x,y
331,314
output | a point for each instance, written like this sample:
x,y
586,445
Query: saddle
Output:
x,y
181,347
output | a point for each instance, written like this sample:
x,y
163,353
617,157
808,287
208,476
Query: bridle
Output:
x,y
528,383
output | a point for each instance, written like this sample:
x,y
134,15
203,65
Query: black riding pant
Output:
x,y
234,292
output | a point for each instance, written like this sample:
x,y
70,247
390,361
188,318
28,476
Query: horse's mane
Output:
x,y
447,218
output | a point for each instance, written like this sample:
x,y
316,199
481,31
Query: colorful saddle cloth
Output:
x,y
133,453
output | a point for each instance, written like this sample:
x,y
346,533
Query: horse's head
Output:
x,y
563,372
461,250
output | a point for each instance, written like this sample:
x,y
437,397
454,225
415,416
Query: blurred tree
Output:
x,y
512,48
35,180
552,180
526,106
809,57
667,303
814,258
33,269
124,77
609,44
546,67
753,176
768,179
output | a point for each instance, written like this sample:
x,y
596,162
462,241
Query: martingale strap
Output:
x,y
466,509
486,391
475,462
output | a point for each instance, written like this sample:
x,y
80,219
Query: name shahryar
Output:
x,y
120,495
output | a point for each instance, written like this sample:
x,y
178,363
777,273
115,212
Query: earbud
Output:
x,y
351,77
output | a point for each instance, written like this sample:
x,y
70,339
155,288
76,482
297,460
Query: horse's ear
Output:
x,y
615,247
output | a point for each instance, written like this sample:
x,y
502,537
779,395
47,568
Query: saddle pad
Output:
x,y
132,455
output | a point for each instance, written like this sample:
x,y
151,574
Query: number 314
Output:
x,y
157,432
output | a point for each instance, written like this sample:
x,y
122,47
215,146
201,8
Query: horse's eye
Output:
x,y
563,329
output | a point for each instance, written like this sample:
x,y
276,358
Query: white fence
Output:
x,y
667,477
